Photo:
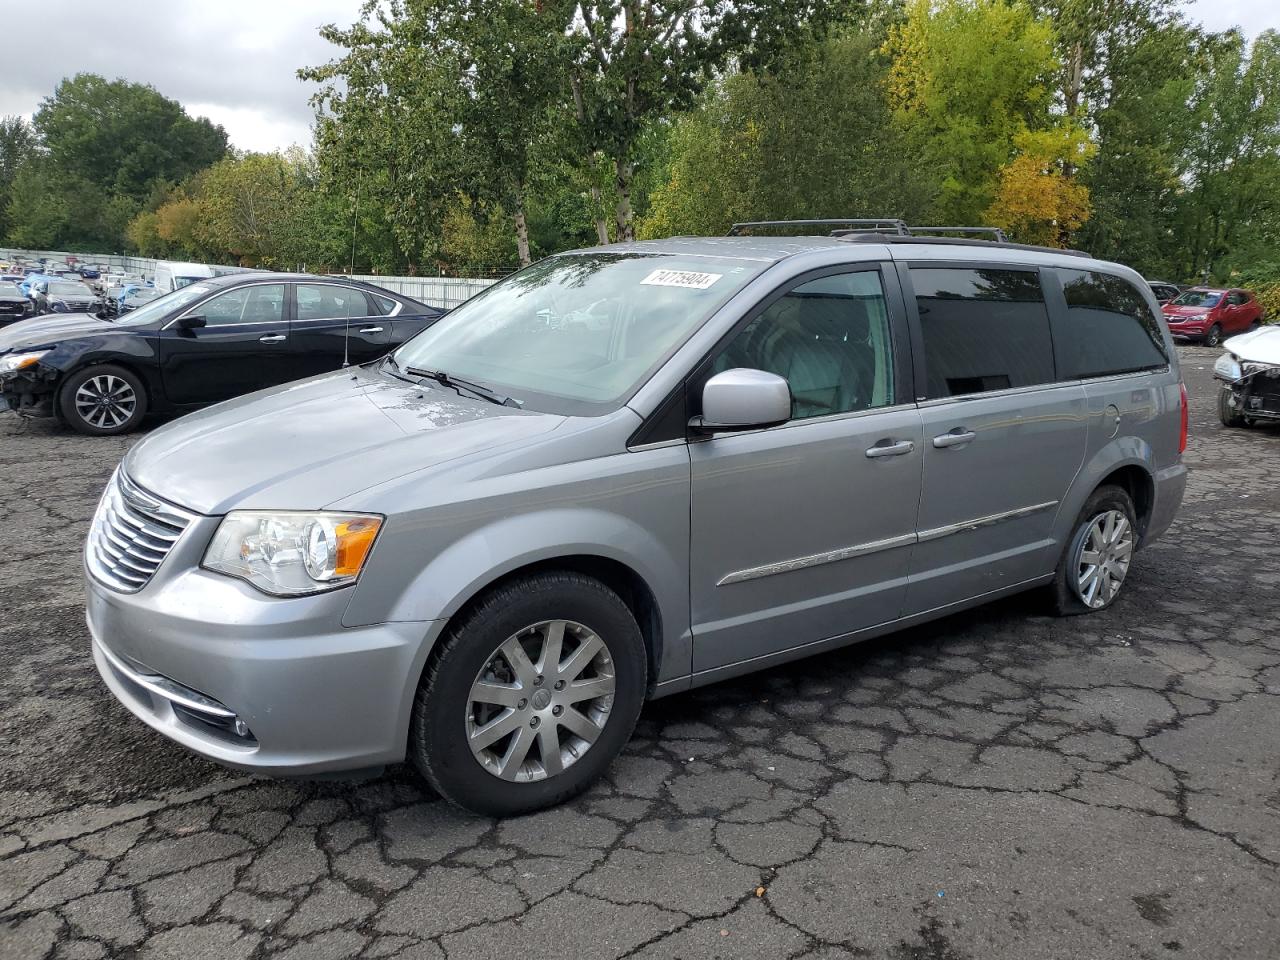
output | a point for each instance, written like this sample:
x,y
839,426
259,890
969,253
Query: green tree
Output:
x,y
1234,167
17,145
778,145
248,208
38,214
122,137
640,61
968,78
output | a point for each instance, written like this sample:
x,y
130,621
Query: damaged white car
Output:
x,y
1249,369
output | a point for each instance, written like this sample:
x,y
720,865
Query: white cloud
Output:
x,y
234,61
1251,16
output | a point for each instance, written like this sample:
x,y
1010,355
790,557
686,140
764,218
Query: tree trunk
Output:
x,y
522,231
602,225
624,172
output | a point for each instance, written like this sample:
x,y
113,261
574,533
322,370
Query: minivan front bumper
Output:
x,y
191,653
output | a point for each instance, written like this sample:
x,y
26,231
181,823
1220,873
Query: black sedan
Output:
x,y
65,296
205,342
14,305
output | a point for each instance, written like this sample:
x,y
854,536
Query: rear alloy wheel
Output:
x,y
530,696
1214,336
1096,560
102,401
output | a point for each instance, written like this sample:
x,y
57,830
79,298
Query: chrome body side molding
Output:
x,y
862,549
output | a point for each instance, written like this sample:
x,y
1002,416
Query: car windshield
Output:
x,y
1198,298
180,282
68,290
164,305
576,334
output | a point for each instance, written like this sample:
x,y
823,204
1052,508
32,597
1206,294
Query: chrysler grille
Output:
x,y
131,535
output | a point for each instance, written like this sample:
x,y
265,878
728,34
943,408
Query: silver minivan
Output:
x,y
621,473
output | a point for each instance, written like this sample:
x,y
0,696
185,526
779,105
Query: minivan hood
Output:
x,y
307,444
51,329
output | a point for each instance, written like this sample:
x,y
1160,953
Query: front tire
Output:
x,y
1229,414
1214,336
1098,554
530,695
102,401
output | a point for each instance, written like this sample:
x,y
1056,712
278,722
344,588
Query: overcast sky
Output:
x,y
234,61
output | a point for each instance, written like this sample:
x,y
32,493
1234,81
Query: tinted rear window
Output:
x,y
1108,329
984,329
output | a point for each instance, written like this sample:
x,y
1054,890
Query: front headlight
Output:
x,y
1228,367
289,554
20,361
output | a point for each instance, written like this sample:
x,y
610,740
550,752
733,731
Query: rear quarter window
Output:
x,y
1109,328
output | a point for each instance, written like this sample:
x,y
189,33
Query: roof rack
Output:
x,y
962,242
996,234
895,230
878,225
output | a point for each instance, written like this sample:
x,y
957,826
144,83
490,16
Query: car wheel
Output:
x,y
1098,554
1228,413
530,696
1214,336
102,401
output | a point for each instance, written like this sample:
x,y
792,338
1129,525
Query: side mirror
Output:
x,y
743,399
191,323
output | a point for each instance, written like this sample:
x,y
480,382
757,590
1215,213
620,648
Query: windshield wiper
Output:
x,y
459,384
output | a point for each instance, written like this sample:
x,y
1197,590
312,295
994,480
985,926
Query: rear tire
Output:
x,y
1096,558
1228,414
494,671
102,401
1214,337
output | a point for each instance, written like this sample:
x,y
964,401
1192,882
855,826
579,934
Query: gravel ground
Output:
x,y
997,784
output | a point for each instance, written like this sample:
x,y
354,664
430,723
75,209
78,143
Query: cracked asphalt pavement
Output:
x,y
998,784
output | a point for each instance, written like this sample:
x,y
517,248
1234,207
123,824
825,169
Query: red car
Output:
x,y
1207,314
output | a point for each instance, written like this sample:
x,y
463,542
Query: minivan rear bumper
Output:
x,y
1171,484
315,696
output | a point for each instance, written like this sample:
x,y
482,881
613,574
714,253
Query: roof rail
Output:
x,y
996,234
895,230
879,225
961,242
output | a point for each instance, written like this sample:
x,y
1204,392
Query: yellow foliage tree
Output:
x,y
1036,201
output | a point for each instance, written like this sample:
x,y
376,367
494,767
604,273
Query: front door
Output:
x,y
333,324
1002,440
804,531
241,348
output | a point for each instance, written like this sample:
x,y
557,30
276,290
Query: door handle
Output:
x,y
890,449
370,329
273,338
954,438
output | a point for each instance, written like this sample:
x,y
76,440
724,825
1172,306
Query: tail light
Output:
x,y
1182,435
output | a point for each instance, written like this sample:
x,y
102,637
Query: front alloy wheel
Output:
x,y
1102,559
540,701
529,696
102,401
1214,336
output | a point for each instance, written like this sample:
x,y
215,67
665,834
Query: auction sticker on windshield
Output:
x,y
682,278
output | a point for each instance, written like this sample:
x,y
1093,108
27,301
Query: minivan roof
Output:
x,y
773,249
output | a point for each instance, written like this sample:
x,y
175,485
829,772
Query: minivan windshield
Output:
x,y
162,306
577,334
1197,298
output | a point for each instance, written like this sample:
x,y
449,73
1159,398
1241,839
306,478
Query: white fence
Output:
x,y
445,292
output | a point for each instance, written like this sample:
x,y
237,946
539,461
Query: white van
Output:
x,y
171,275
